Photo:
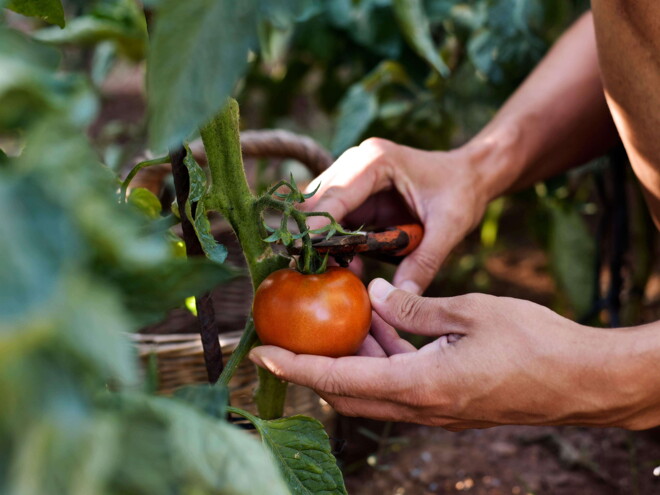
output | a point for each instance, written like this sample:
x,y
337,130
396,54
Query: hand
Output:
x,y
381,184
495,361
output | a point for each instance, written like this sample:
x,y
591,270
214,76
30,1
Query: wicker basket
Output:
x,y
180,362
178,349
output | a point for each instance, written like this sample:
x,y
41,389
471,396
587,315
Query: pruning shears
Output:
x,y
390,244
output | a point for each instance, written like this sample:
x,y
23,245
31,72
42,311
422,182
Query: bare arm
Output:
x,y
556,120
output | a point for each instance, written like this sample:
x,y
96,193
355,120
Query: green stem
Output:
x,y
231,196
131,175
270,395
248,340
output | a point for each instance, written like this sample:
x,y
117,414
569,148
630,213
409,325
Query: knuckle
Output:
x,y
410,307
424,260
376,145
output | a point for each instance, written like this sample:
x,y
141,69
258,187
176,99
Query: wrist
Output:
x,y
618,378
497,159
636,364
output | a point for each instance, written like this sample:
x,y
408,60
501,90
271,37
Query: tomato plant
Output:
x,y
328,314
82,267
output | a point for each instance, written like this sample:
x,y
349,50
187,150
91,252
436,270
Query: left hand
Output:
x,y
496,361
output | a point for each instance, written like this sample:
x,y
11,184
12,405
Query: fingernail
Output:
x,y
409,286
255,358
379,289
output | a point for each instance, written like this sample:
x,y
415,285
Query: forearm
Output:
x,y
556,120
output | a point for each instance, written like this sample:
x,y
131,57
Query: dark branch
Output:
x,y
208,328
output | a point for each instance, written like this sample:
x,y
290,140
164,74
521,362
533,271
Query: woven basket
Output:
x,y
173,341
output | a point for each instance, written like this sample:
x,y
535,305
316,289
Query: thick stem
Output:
x,y
231,196
208,328
270,395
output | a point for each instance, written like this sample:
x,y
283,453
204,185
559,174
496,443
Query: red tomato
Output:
x,y
327,314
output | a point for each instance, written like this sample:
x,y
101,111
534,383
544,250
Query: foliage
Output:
x,y
79,271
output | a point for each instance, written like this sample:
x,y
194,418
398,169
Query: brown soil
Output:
x,y
511,460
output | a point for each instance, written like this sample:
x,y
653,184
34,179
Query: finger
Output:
x,y
370,347
387,337
418,269
353,376
372,409
422,315
347,184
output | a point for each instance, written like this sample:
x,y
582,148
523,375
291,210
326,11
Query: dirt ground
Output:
x,y
511,460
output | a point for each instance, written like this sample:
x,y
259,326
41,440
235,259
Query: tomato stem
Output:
x,y
230,195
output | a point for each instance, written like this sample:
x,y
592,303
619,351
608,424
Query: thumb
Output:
x,y
404,310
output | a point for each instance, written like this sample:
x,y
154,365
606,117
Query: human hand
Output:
x,y
381,184
495,361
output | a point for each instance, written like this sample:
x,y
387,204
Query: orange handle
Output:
x,y
415,234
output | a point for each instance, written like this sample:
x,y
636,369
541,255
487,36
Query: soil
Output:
x,y
419,460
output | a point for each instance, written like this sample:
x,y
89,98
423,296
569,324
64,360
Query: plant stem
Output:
x,y
148,163
208,329
269,396
248,340
231,196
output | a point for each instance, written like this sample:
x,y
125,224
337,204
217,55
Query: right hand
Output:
x,y
382,184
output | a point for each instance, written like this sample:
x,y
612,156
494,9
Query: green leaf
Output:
x,y
572,253
214,251
210,399
170,447
301,448
32,88
357,111
198,52
89,30
145,201
417,31
283,13
151,291
50,11
196,176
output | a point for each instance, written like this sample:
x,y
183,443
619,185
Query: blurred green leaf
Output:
x,y
572,253
356,111
197,453
210,399
199,49
30,87
301,448
145,201
151,291
120,21
506,47
283,13
50,11
416,28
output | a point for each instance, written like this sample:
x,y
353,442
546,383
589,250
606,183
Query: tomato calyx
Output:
x,y
309,261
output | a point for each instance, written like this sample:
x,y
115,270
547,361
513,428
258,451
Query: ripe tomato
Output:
x,y
327,314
